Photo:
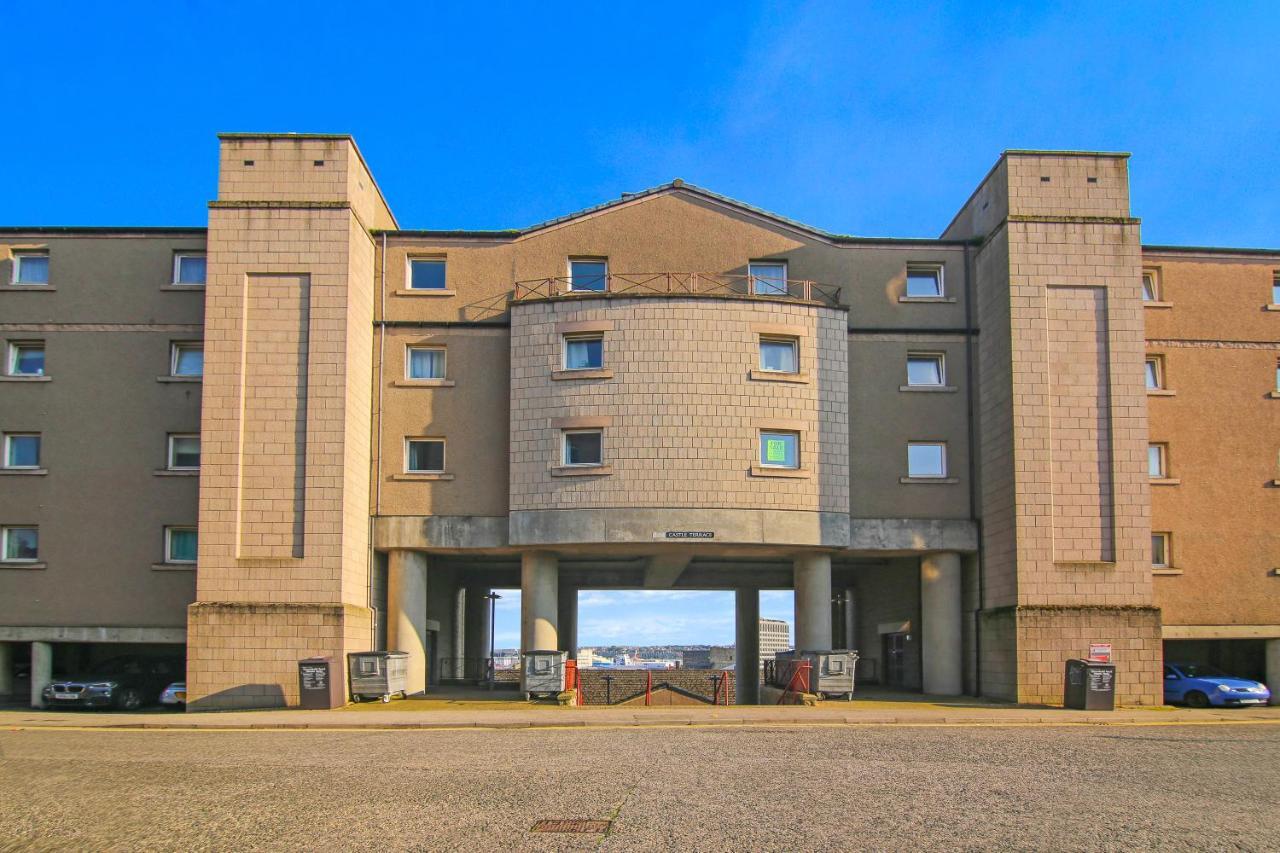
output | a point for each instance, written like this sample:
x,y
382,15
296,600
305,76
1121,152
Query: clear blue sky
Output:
x,y
873,119
861,118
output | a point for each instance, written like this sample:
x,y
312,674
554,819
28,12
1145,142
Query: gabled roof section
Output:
x,y
674,187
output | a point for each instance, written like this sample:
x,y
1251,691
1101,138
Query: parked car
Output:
x,y
1201,686
127,682
175,695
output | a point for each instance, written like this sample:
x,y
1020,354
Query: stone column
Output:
x,y
407,612
539,601
813,601
6,670
940,624
476,644
41,671
746,669
1273,669
568,615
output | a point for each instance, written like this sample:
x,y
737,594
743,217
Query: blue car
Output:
x,y
1201,686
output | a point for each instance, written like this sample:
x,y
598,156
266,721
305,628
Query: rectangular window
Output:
x,y
31,268
184,452
1157,461
1150,286
425,363
1275,290
424,456
583,447
926,459
779,355
180,544
1160,550
26,359
779,449
1278,375
924,282
768,278
21,450
926,369
589,274
426,274
187,360
20,544
1155,373
583,352
188,270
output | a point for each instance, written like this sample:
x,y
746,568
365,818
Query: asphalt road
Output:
x,y
814,788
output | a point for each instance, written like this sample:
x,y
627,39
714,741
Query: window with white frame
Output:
x,y
779,354
1157,461
926,369
425,363
582,447
20,544
768,278
1278,375
186,359
1161,557
926,460
1155,373
424,456
583,352
779,449
1275,289
181,544
589,274
1151,285
30,268
188,269
924,281
427,273
26,358
22,450
184,452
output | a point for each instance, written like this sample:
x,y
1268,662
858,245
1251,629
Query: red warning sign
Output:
x,y
1100,652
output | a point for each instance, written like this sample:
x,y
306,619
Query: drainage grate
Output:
x,y
596,827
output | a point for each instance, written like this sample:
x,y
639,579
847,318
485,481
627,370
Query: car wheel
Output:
x,y
130,700
1196,699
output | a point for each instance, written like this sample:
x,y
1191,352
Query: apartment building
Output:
x,y
306,430
775,636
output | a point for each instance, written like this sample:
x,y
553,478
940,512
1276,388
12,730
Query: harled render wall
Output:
x,y
285,429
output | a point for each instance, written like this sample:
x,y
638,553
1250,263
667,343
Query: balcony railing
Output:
x,y
681,284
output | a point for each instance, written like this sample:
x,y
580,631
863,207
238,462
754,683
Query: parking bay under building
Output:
x,y
970,456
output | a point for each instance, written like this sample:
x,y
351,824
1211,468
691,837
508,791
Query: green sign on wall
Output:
x,y
775,450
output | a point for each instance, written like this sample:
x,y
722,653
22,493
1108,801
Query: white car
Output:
x,y
175,695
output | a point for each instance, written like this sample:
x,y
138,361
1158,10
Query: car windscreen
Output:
x,y
1200,670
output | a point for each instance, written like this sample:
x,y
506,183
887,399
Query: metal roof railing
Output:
x,y
680,284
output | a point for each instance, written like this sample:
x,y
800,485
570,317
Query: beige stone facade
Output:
x,y
1026,536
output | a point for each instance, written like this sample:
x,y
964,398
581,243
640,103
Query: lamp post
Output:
x,y
493,622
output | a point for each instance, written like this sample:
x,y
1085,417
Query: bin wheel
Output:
x,y
1196,699
386,697
355,698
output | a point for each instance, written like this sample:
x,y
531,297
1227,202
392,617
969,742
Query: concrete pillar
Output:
x,y
41,671
1273,670
407,612
940,624
813,601
457,654
476,643
6,670
746,668
568,615
539,601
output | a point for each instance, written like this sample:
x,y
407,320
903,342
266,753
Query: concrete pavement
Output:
x,y
460,709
